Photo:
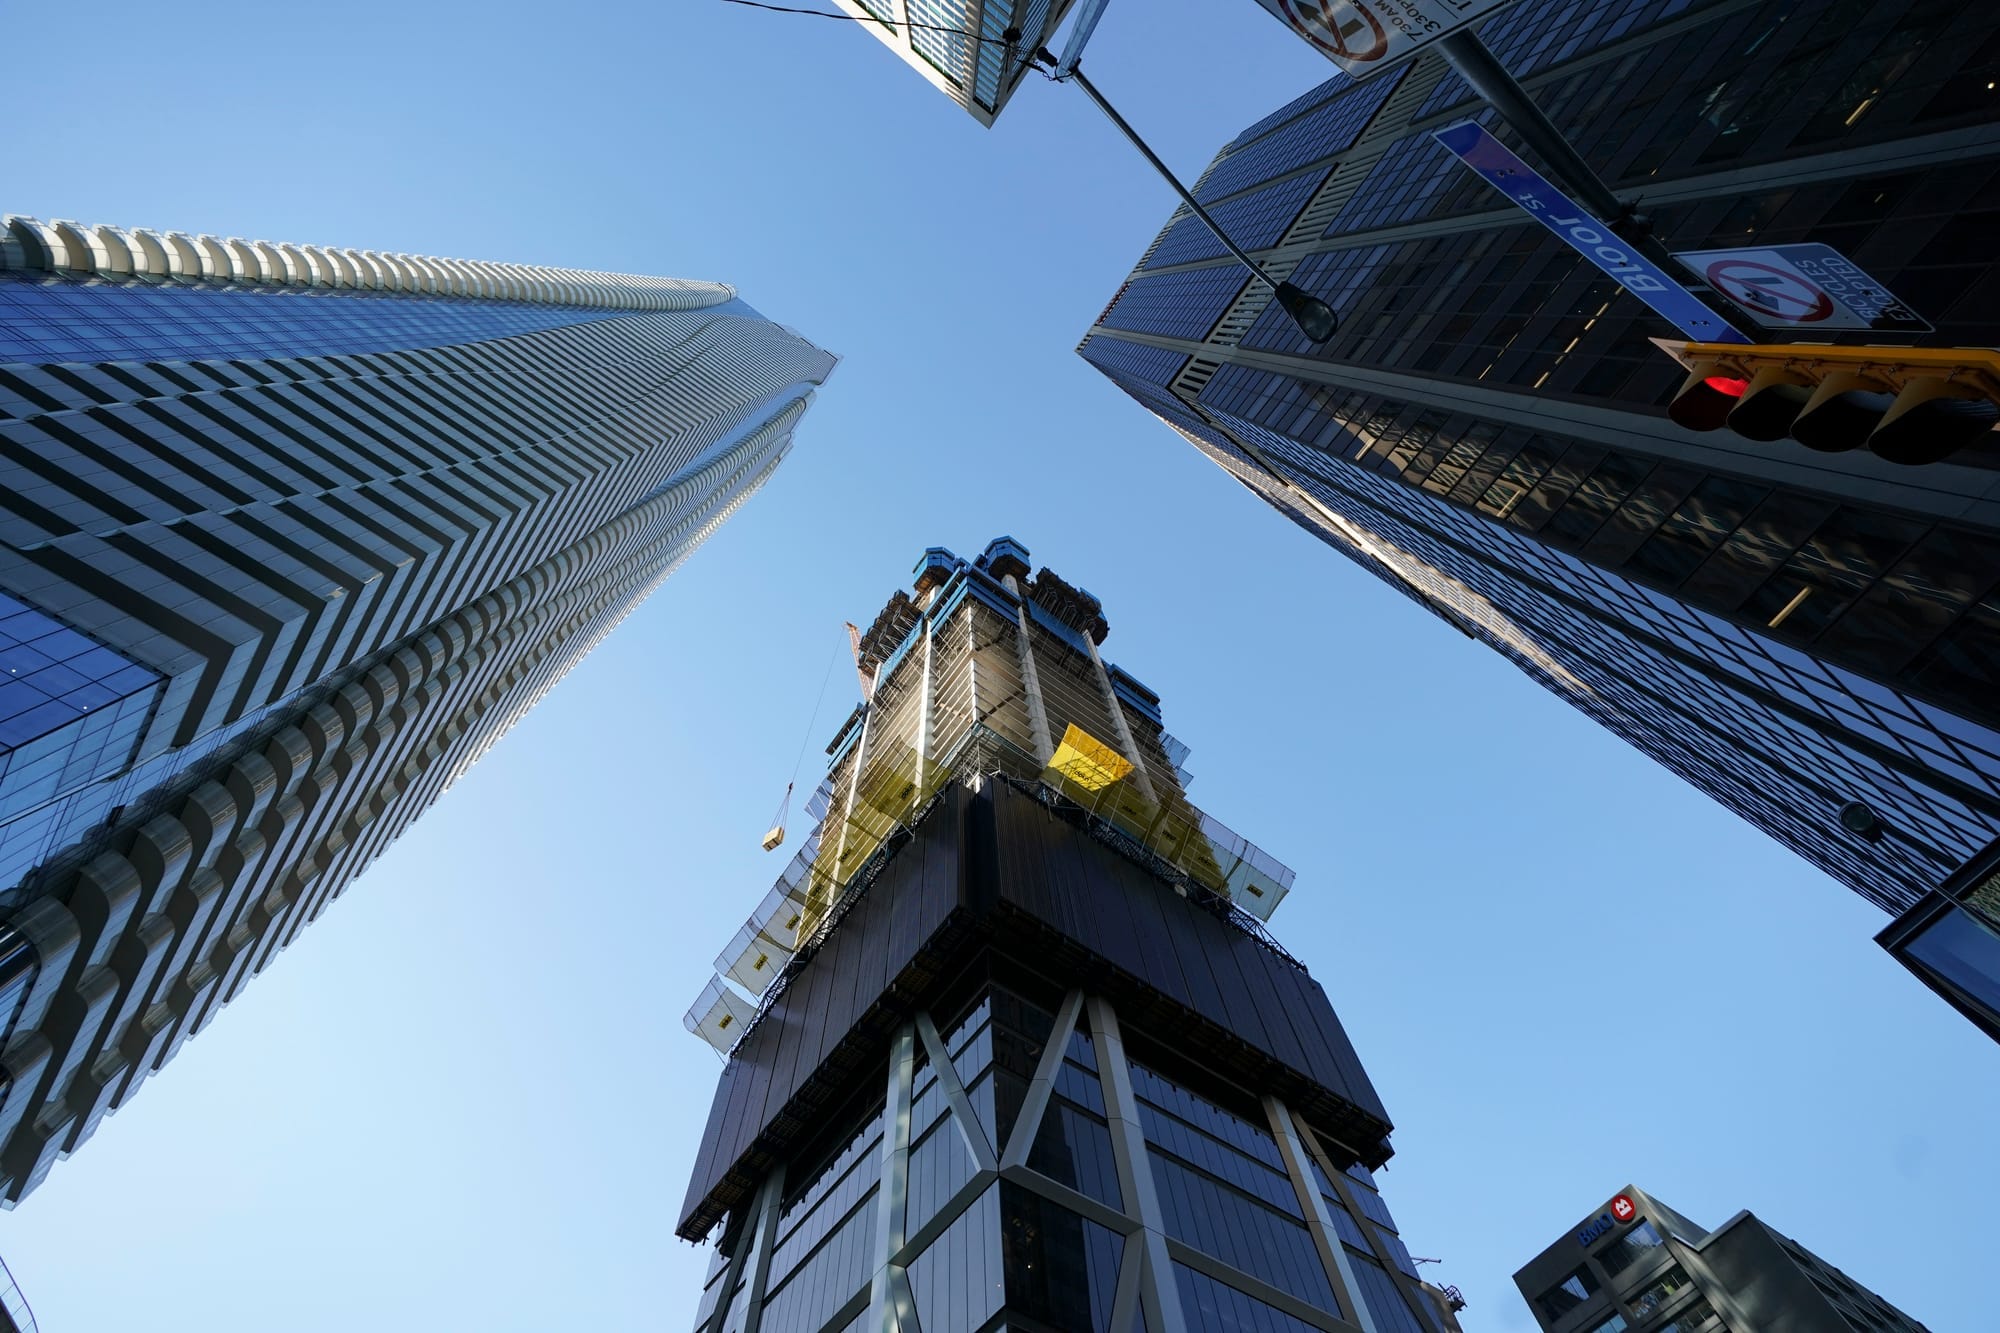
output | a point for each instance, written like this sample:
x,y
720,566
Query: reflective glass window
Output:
x,y
1697,1317
1658,1292
1567,1294
1061,1269
1241,1231
1964,951
1216,1307
1638,1241
1845,553
958,1282
64,320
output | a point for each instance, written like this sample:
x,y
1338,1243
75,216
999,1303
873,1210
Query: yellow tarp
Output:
x,y
1087,761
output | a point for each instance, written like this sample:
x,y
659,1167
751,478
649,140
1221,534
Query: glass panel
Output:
x,y
940,1165
957,1283
1659,1292
1567,1294
1384,1300
1634,1245
1711,513
1215,1307
1073,1147
1061,1269
1965,952
1844,555
1242,1232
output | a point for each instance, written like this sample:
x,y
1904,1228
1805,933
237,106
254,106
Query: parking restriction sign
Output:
x,y
1804,287
1364,36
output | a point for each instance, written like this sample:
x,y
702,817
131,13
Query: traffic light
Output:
x,y
1909,405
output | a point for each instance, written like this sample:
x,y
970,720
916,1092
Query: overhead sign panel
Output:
x,y
1804,287
1364,36
1587,235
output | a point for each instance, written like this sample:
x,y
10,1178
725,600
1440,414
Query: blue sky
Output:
x,y
464,1098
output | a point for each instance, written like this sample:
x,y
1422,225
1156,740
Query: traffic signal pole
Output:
x,y
1492,80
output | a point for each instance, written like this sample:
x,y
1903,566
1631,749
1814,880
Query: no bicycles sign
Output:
x,y
1804,287
1363,36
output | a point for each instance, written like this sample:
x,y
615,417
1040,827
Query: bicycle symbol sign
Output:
x,y
1765,289
1363,36
1804,286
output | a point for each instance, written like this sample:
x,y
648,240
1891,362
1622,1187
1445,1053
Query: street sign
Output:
x,y
1804,287
1364,36
1585,234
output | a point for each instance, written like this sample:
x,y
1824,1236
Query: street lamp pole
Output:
x,y
1315,318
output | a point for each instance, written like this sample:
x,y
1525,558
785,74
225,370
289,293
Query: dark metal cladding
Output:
x,y
1000,871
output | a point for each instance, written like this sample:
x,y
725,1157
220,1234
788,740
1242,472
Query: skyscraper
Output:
x,y
1638,1264
1811,638
289,535
962,47
1022,1049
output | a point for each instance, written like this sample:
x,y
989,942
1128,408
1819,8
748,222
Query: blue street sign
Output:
x,y
1585,234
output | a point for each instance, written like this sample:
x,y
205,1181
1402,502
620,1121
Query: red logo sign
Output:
x,y
1623,1208
1341,28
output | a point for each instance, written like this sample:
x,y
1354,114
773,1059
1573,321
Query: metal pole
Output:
x,y
1480,68
1090,90
1314,317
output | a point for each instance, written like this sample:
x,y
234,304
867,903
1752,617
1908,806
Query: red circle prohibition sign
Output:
x,y
1774,291
1315,19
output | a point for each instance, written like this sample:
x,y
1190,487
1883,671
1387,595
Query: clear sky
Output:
x,y
464,1100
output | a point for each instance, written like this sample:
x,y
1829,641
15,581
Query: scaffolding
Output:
x,y
983,674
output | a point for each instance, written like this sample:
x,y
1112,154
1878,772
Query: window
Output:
x,y
1615,1324
1672,1281
1634,1245
1567,1294
1695,1317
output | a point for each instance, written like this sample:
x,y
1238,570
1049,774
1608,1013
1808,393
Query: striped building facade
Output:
x,y
289,535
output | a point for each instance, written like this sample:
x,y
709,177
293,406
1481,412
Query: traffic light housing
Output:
x,y
1908,405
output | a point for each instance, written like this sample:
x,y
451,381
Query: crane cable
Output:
x,y
785,806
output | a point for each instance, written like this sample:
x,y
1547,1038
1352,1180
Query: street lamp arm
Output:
x,y
1315,318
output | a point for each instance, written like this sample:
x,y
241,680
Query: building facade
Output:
x,y
1811,638
1008,1043
289,535
1638,1265
962,47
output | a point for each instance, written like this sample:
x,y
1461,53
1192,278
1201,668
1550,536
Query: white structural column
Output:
x,y
847,808
924,715
972,668
1128,745
751,1264
1332,1256
1042,1085
1031,684
970,1129
1159,1294
766,1235
888,1295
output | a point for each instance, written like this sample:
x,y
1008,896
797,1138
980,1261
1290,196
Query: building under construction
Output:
x,y
1008,1042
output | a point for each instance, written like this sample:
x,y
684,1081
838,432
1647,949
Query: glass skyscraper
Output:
x,y
1009,1045
1811,638
289,535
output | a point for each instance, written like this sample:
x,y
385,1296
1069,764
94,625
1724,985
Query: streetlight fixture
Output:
x,y
1314,317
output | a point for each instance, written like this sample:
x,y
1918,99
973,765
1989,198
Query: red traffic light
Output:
x,y
1705,401
1909,405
